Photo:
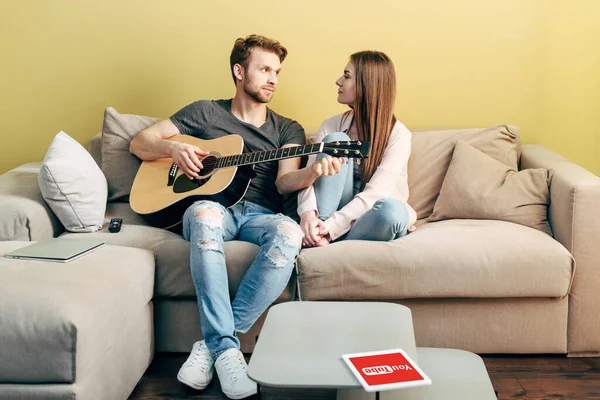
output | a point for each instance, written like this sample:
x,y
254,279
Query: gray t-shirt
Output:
x,y
209,119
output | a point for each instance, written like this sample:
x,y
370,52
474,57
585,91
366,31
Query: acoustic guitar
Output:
x,y
161,192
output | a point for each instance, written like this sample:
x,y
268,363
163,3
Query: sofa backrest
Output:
x,y
95,148
431,154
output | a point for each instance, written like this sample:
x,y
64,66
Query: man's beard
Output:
x,y
257,94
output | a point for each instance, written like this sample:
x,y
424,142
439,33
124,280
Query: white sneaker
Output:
x,y
197,371
233,375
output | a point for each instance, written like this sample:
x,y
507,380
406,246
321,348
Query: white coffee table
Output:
x,y
301,345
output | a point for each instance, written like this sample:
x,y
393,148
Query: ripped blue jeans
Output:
x,y
207,225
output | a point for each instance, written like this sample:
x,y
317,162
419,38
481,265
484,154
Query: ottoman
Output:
x,y
77,330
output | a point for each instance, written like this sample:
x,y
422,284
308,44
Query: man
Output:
x,y
255,65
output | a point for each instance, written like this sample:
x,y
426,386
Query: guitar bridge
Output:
x,y
172,174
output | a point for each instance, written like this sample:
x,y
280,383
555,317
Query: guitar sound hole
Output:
x,y
209,164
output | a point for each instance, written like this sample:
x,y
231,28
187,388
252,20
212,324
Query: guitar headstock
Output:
x,y
347,148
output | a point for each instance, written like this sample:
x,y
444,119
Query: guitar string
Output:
x,y
213,161
210,163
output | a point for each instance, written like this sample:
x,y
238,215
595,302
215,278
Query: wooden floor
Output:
x,y
513,377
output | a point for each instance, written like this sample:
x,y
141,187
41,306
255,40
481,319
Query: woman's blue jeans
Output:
x,y
386,220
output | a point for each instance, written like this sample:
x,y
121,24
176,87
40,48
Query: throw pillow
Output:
x,y
432,150
73,185
477,186
118,164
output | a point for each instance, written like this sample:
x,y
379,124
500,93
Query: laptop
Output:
x,y
57,250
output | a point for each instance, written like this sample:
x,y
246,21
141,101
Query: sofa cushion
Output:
x,y
452,258
73,185
432,151
173,276
478,187
118,164
59,318
95,148
25,214
123,211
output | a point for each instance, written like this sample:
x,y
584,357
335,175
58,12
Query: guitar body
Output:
x,y
162,201
161,193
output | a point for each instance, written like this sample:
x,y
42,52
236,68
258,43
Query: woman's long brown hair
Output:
x,y
374,111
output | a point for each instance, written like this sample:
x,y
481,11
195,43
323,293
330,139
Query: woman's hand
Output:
x,y
185,156
314,230
310,228
324,233
327,166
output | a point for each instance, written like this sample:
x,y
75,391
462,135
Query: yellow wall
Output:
x,y
464,63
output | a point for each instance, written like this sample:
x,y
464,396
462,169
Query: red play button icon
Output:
x,y
384,370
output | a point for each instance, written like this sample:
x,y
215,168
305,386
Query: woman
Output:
x,y
367,199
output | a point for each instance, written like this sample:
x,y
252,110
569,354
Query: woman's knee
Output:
x,y
391,212
335,136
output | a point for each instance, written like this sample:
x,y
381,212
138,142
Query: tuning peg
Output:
x,y
337,143
356,152
348,143
358,143
346,152
335,151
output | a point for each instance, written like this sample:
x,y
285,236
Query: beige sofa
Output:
x,y
488,286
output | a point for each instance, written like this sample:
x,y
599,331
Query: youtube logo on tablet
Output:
x,y
385,370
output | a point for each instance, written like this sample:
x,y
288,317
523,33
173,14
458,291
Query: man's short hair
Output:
x,y
242,48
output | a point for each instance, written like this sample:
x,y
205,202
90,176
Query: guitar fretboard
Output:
x,y
268,155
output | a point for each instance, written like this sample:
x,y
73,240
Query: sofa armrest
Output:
x,y
24,214
574,215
